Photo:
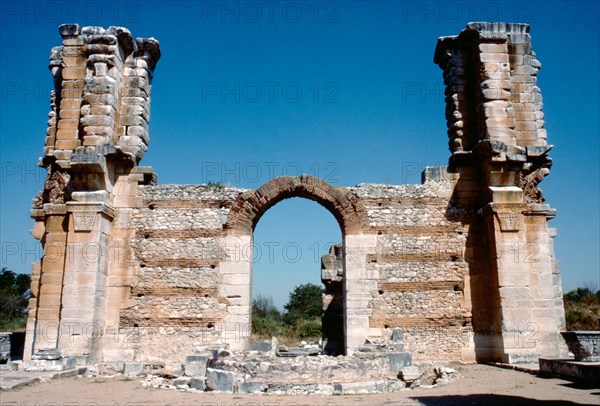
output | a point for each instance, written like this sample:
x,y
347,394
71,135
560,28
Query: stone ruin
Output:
x,y
138,273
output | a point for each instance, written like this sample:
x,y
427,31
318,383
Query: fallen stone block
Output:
x,y
397,333
195,365
48,354
261,346
133,369
111,368
51,365
399,360
409,374
172,370
251,387
220,381
198,382
351,388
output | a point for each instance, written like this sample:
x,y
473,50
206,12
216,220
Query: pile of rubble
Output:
x,y
275,369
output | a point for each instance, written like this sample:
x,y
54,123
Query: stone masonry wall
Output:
x,y
418,264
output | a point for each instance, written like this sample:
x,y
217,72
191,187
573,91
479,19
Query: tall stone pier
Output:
x,y
97,133
500,152
135,271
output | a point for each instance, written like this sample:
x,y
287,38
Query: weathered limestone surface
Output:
x,y
135,272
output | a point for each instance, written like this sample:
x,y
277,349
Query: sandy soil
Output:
x,y
480,385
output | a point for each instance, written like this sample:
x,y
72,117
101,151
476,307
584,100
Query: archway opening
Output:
x,y
358,242
297,274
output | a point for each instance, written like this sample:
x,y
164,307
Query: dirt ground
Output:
x,y
480,385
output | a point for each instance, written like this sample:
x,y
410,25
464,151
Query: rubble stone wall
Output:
x,y
418,265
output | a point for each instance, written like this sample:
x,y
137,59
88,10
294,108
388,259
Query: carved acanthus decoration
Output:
x,y
529,183
58,186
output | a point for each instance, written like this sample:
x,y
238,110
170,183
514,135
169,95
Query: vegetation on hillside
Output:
x,y
300,321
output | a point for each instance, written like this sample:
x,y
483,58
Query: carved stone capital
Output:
x,y
508,215
85,213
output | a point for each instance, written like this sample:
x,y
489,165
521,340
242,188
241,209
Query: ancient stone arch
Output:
x,y
135,271
342,203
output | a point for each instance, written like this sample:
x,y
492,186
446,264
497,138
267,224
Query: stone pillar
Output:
x,y
358,287
85,278
236,288
46,290
505,144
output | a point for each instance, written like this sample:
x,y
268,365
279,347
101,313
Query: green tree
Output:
x,y
304,304
263,306
14,291
266,319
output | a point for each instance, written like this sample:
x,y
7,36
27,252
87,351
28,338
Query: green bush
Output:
x,y
308,329
582,308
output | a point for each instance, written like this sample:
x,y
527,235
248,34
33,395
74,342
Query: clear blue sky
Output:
x,y
347,91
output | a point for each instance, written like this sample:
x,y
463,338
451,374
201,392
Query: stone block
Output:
x,y
198,383
173,368
409,374
195,365
260,346
96,120
182,381
67,134
397,335
526,126
251,387
70,113
399,360
496,94
133,369
74,72
68,144
220,381
111,368
67,104
493,48
500,122
353,388
585,372
133,120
